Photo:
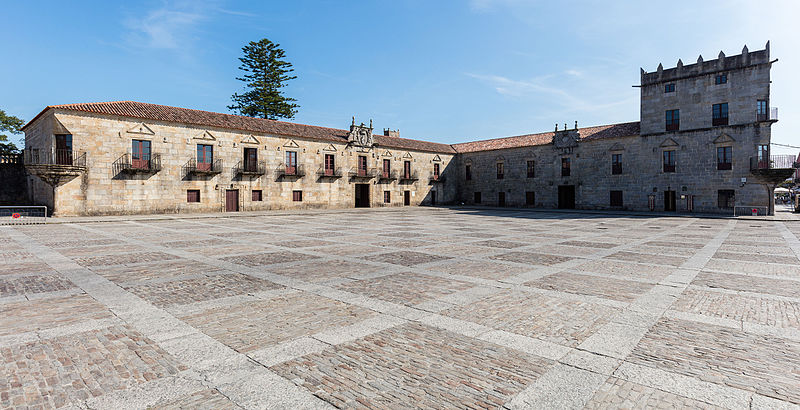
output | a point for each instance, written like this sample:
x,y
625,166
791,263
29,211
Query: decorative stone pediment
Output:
x,y
250,139
141,128
669,142
617,147
407,155
437,158
500,158
291,144
386,153
360,135
724,139
205,136
330,147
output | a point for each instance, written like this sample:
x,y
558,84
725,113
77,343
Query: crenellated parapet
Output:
x,y
701,67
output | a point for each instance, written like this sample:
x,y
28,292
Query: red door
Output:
x,y
205,155
387,168
231,200
362,166
291,163
140,154
329,164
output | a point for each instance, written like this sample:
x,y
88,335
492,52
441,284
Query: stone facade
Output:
x,y
619,166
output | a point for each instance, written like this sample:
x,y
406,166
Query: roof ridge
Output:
x,y
544,133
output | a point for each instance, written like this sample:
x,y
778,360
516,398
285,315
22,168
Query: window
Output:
x,y
250,159
468,172
565,167
531,169
330,164
387,197
726,198
616,164
616,198
193,195
721,79
140,154
500,172
761,111
719,114
669,88
669,161
387,168
435,171
256,195
297,196
63,149
724,156
291,162
205,156
477,198
362,165
530,198
763,156
673,120
406,169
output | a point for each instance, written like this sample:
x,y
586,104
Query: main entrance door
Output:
x,y
362,195
232,200
669,201
406,198
566,197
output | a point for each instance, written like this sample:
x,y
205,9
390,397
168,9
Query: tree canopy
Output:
x,y
10,124
266,73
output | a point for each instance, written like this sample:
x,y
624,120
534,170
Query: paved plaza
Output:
x,y
412,307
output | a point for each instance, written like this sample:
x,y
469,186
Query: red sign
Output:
x,y
754,211
15,215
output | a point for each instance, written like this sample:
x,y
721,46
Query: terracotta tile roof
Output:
x,y
586,133
165,113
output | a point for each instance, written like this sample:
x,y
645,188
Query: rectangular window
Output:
x,y
435,171
140,154
669,88
468,172
719,114
721,79
387,168
616,164
530,198
362,165
63,149
291,162
205,156
724,158
477,198
407,169
256,195
193,195
673,120
669,161
763,155
531,169
297,196
565,167
330,164
387,197
616,198
726,198
500,171
761,111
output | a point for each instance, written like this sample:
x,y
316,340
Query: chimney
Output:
x,y
391,133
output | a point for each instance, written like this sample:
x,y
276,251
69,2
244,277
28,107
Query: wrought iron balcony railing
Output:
x,y
203,168
250,168
616,169
436,178
329,173
59,157
363,173
144,164
409,176
771,116
290,171
387,175
774,162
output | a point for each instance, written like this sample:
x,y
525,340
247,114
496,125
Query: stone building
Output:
x,y
702,145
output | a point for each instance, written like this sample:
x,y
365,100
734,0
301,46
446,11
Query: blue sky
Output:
x,y
445,71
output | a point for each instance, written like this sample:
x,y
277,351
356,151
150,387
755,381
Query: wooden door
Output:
x,y
501,199
566,196
291,162
433,197
406,198
232,200
669,201
250,159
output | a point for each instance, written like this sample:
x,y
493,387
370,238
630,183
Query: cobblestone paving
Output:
x,y
398,308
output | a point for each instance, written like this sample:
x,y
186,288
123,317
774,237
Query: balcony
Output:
x,y
724,166
409,177
775,168
126,164
673,126
669,167
296,171
364,174
192,167
763,116
55,167
717,121
387,176
616,169
436,178
329,173
250,168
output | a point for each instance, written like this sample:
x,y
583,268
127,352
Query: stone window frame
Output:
x,y
616,163
566,170
387,197
672,120
297,196
669,88
193,196
501,171
721,78
668,165
720,116
256,195
530,168
724,166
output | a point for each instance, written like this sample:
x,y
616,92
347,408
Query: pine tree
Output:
x,y
265,74
10,124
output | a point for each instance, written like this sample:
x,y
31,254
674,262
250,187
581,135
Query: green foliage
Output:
x,y
11,124
266,73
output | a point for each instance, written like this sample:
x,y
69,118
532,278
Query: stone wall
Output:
x,y
100,190
13,182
